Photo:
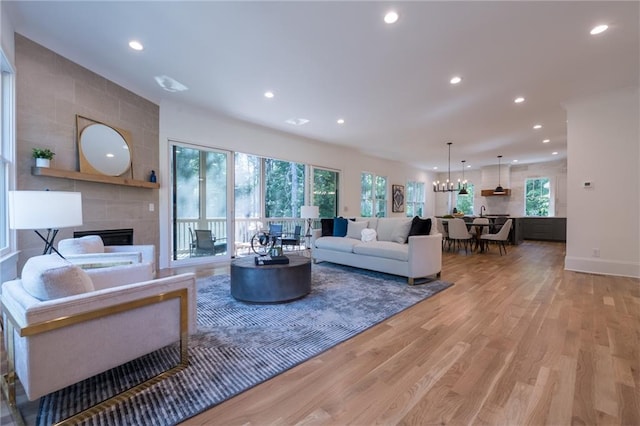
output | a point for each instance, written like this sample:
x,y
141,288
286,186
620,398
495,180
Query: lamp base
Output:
x,y
48,241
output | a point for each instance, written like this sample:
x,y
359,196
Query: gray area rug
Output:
x,y
240,345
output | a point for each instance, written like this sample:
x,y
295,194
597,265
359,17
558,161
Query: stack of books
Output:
x,y
271,260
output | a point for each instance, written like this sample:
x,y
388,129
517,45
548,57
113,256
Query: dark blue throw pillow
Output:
x,y
340,227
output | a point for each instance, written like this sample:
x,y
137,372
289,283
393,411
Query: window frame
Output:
x,y
412,200
8,241
551,195
377,198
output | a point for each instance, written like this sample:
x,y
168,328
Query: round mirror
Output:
x,y
105,149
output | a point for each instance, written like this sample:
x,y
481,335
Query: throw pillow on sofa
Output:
x,y
49,277
401,231
354,229
420,226
327,227
368,235
340,226
82,245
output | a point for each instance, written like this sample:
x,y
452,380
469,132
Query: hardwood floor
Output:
x,y
517,340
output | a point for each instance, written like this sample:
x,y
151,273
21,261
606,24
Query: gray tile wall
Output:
x,y
50,91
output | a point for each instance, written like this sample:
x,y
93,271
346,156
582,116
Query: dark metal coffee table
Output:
x,y
270,283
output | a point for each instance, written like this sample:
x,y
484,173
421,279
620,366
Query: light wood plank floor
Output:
x,y
517,340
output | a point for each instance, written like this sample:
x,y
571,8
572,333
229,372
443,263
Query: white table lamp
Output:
x,y
50,210
309,213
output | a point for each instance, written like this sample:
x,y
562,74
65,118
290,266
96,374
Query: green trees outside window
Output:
x,y
373,200
464,203
414,199
537,196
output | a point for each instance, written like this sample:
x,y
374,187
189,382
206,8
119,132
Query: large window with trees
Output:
x,y
464,203
284,188
373,201
414,199
325,191
537,196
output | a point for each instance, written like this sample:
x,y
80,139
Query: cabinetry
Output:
x,y
544,228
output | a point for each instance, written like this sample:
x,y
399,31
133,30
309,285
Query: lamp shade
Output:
x,y
309,212
44,209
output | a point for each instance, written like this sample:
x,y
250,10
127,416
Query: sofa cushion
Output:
x,y
326,225
385,228
401,231
51,277
340,226
420,226
342,244
354,229
82,245
384,249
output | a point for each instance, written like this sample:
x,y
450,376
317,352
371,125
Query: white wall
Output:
x,y
200,127
603,147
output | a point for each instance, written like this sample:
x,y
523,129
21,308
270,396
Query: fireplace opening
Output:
x,y
110,237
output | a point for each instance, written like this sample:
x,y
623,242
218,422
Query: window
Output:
x,y
464,203
537,200
284,188
325,192
414,199
6,148
373,202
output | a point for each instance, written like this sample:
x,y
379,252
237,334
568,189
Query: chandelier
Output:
x,y
448,186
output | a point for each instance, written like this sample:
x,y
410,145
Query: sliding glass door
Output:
x,y
200,213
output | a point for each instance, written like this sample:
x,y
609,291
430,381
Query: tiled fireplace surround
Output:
x,y
50,91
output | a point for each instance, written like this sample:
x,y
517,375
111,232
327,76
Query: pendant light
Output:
x,y
448,185
463,188
499,189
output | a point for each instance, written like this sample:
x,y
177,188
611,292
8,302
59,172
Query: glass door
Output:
x,y
200,213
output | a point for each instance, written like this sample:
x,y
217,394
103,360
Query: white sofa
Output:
x,y
67,324
90,252
392,251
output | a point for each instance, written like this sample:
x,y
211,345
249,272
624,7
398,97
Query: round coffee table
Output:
x,y
270,283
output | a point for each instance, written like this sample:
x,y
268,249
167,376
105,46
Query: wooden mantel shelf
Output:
x,y
114,180
489,193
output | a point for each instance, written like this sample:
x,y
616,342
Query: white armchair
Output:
x,y
91,251
64,324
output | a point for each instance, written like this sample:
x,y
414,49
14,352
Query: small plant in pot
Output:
x,y
43,156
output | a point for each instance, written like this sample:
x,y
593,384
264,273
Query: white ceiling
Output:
x,y
328,59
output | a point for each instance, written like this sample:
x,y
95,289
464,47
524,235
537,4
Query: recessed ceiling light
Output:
x,y
598,29
546,141
136,45
518,100
554,153
435,168
468,166
269,94
297,121
340,121
515,161
537,126
455,80
169,84
391,17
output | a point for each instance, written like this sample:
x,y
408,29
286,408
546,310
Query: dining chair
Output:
x,y
443,230
477,231
458,233
499,237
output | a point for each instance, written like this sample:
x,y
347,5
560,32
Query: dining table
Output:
x,y
478,228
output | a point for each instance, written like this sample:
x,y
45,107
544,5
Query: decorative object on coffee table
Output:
x,y
262,243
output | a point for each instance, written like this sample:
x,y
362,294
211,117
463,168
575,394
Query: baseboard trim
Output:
x,y
602,266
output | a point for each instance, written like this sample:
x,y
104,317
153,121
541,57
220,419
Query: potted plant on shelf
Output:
x,y
43,156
